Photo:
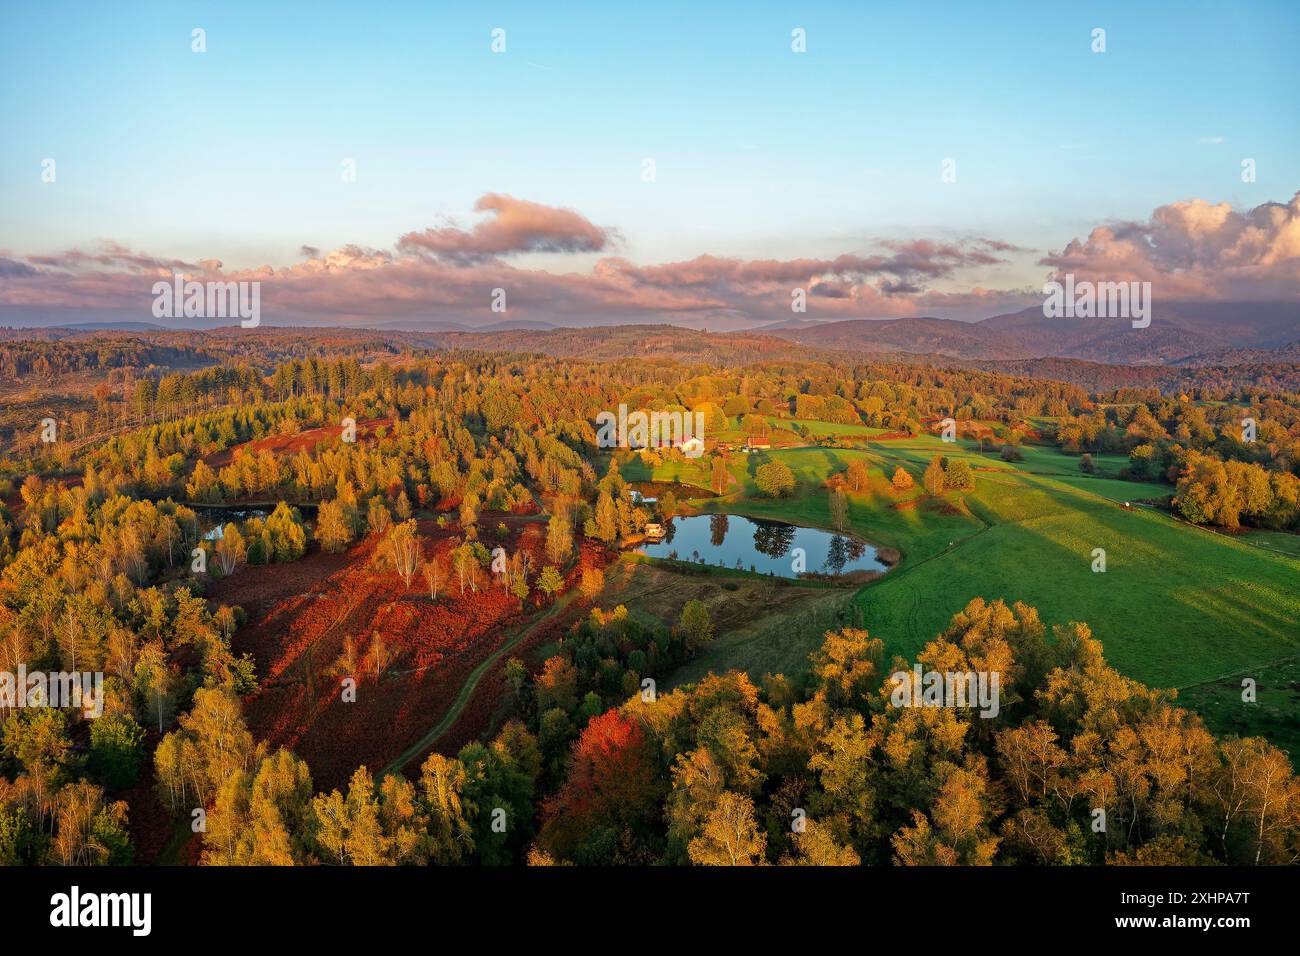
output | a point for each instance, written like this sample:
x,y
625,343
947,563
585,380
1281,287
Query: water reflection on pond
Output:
x,y
216,517
220,517
769,547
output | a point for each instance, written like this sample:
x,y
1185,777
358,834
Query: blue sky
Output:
x,y
760,152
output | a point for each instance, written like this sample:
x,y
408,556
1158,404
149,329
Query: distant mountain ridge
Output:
x,y
1181,334
1269,369
1178,332
125,326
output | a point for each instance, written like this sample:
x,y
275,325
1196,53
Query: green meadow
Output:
x,y
1176,605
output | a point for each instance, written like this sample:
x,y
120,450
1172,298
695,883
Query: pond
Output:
x,y
769,547
219,517
216,517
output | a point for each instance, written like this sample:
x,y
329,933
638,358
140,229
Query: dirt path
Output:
x,y
171,853
471,684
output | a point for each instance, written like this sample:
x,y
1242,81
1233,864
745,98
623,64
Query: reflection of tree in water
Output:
x,y
717,529
837,555
842,551
772,538
670,529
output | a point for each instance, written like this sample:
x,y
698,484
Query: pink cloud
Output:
x,y
1193,248
515,225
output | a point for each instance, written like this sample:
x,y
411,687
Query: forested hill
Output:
x,y
39,354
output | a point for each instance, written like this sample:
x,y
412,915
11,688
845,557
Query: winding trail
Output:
x,y
467,689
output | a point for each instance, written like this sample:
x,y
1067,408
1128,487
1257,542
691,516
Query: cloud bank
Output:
x,y
1188,249
1194,249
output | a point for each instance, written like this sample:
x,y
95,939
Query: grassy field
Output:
x,y
1273,541
782,431
830,428
685,470
1275,712
763,626
1176,605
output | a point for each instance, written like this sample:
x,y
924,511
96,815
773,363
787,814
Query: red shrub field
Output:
x,y
150,820
300,614
286,446
489,706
